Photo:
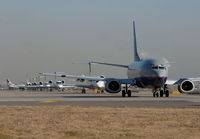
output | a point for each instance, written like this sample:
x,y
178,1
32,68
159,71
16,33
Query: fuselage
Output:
x,y
149,73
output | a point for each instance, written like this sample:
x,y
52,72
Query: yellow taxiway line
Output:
x,y
50,101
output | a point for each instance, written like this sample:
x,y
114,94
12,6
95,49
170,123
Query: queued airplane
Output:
x,y
58,85
142,73
48,86
91,84
61,86
12,86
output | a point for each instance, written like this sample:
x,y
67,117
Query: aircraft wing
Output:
x,y
76,85
110,64
83,85
177,81
171,81
90,78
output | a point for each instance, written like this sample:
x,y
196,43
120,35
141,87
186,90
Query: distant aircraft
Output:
x,y
61,86
91,84
58,85
143,73
12,86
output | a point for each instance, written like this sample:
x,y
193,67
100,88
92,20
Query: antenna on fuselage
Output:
x,y
136,55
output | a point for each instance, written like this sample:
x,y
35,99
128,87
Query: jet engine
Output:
x,y
40,83
113,86
80,80
63,81
50,82
186,86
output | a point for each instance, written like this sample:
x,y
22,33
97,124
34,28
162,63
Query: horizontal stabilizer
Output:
x,y
109,64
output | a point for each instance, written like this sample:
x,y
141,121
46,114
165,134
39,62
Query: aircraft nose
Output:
x,y
160,81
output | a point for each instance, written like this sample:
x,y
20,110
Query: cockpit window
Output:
x,y
161,67
155,67
158,67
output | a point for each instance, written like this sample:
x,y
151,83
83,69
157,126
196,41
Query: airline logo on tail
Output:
x,y
8,82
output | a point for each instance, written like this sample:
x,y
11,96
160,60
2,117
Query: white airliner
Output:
x,y
12,86
91,84
142,73
58,85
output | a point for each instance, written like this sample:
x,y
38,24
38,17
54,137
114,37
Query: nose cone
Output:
x,y
159,81
157,72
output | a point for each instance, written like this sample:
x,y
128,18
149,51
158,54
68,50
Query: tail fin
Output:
x,y
136,55
8,82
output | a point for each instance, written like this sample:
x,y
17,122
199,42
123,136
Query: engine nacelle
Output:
x,y
186,86
113,86
50,82
80,80
40,83
63,81
34,83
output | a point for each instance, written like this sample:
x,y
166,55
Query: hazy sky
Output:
x,y
48,35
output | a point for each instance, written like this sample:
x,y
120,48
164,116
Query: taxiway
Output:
x,y
142,99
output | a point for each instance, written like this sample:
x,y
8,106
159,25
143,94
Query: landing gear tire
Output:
x,y
129,93
157,95
83,91
154,94
161,93
167,93
126,91
123,93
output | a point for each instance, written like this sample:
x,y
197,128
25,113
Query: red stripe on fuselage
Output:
x,y
155,76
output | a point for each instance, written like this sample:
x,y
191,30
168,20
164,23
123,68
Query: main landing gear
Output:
x,y
161,92
83,91
126,91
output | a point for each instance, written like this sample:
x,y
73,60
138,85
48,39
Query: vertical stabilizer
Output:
x,y
7,81
136,55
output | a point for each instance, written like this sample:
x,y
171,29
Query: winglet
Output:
x,y
136,55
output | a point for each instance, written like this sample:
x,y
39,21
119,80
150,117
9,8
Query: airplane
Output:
x,y
58,85
99,85
142,73
12,86
61,86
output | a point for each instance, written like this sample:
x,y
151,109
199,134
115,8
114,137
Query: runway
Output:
x,y
141,99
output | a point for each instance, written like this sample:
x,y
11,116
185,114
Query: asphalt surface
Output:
x,y
141,99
